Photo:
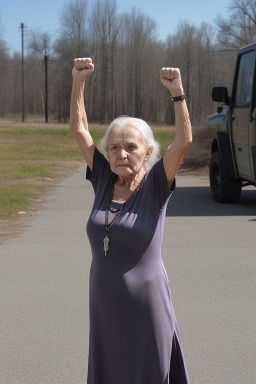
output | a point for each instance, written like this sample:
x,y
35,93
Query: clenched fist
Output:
x,y
171,79
83,68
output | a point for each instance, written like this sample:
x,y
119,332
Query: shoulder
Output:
x,y
100,169
156,182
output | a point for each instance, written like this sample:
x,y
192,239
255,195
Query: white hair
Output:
x,y
144,128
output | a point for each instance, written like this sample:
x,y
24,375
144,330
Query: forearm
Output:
x,y
183,135
78,119
171,79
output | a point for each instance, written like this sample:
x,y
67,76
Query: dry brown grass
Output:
x,y
198,154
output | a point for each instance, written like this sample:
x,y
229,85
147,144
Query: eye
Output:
x,y
132,147
113,147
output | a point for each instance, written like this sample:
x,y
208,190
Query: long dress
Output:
x,y
134,337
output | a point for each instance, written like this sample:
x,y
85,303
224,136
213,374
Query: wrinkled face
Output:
x,y
127,151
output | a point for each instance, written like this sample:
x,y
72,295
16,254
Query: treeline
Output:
x,y
128,56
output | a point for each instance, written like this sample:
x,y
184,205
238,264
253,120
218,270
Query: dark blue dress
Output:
x,y
134,337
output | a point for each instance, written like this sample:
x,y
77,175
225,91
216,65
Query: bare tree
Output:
x,y
73,25
72,42
139,34
128,57
39,43
39,46
240,27
104,26
3,71
204,70
186,39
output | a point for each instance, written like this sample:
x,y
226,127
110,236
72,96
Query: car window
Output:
x,y
245,78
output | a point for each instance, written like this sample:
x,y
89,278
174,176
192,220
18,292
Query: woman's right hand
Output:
x,y
83,68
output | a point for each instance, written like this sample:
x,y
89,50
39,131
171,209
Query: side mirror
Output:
x,y
220,94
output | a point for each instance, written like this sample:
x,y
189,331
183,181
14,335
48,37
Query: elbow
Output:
x,y
75,127
184,136
182,145
189,140
185,143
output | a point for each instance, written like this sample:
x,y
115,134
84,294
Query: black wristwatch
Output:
x,y
178,98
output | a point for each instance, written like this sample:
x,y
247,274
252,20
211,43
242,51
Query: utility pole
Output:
x,y
22,72
46,86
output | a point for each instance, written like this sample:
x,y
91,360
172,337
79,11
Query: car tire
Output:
x,y
223,190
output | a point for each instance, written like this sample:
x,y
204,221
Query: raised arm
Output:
x,y
78,124
171,79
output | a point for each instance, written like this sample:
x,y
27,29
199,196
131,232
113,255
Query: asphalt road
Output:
x,y
210,257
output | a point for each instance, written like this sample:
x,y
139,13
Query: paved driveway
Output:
x,y
209,253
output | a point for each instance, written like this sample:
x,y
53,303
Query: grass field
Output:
x,y
33,157
29,158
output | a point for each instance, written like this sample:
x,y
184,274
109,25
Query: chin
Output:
x,y
123,171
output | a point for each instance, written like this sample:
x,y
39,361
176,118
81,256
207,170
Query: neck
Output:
x,y
131,181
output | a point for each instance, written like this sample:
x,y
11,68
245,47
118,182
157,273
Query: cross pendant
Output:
x,y
106,241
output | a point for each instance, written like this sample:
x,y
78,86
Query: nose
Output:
x,y
122,154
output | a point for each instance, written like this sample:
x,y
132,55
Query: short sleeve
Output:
x,y
158,184
100,168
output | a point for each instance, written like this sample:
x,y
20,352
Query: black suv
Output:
x,y
233,158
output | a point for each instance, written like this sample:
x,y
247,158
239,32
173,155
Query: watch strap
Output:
x,y
178,98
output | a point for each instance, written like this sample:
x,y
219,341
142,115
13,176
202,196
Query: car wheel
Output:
x,y
223,190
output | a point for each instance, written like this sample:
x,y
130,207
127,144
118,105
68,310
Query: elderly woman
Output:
x,y
134,337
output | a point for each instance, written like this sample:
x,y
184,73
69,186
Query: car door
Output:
x,y
241,113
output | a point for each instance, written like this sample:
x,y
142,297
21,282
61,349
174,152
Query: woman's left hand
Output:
x,y
171,79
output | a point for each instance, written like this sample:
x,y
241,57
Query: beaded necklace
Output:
x,y
117,212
